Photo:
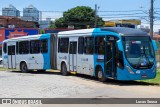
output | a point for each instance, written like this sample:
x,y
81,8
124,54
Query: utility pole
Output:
x,y
151,18
95,19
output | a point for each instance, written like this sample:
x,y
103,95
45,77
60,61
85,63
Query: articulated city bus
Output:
x,y
110,52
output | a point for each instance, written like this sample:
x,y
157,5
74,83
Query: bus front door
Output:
x,y
11,56
73,56
110,60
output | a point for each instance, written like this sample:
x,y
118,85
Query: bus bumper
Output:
x,y
136,75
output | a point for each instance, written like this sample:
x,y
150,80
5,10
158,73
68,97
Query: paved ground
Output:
x,y
53,85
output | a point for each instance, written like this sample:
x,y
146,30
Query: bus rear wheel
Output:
x,y
100,75
23,67
64,70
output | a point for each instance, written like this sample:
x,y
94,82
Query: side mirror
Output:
x,y
154,45
120,46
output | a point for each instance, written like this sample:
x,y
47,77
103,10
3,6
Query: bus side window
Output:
x,y
99,45
5,47
44,46
80,45
34,46
59,41
89,45
63,45
17,45
24,47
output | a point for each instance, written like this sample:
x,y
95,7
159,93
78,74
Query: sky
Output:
x,y
108,9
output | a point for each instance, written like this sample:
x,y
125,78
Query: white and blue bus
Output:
x,y
27,53
111,52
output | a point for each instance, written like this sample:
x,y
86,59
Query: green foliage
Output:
x,y
42,31
80,17
52,25
155,80
60,23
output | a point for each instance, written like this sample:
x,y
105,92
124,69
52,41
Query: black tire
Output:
x,y
64,69
100,75
23,67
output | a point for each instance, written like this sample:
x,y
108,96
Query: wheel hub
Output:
x,y
99,74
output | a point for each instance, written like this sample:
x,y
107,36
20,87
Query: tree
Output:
x,y
79,17
42,31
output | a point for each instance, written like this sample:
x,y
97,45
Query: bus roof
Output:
x,y
123,31
25,37
77,32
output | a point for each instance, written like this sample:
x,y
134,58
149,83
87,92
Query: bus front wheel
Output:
x,y
64,69
23,67
100,75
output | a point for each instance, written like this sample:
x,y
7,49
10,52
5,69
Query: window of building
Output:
x,y
5,47
63,45
89,45
44,46
99,45
34,46
24,47
80,45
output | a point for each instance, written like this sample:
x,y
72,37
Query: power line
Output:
x,y
123,11
122,14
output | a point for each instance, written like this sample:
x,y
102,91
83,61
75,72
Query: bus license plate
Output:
x,y
144,76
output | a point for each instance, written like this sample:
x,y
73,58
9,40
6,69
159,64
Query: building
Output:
x,y
131,23
45,23
10,11
14,22
30,13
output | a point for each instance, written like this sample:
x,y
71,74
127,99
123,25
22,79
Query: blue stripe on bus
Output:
x,y
46,56
98,32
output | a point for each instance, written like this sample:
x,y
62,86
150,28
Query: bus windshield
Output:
x,y
139,51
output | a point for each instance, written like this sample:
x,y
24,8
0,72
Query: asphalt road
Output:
x,y
53,85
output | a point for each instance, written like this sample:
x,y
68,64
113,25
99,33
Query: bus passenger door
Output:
x,y
73,56
11,56
110,56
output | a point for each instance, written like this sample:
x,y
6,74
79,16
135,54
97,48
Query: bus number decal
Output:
x,y
65,57
84,59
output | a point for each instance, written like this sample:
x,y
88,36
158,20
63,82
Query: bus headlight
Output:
x,y
129,69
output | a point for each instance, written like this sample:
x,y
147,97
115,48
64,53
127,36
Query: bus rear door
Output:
x,y
73,56
11,54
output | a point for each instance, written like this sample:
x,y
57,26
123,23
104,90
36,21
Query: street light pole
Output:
x,y
95,23
151,19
